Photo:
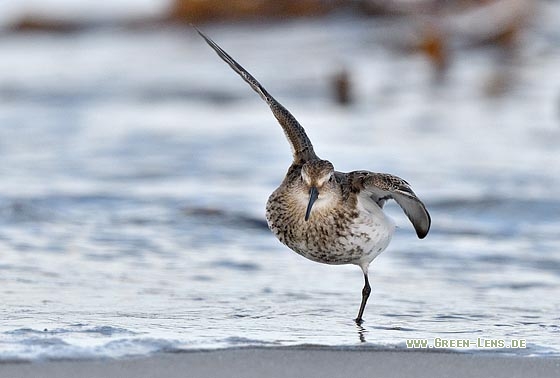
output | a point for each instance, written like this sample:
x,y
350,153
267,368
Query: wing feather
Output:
x,y
302,149
382,186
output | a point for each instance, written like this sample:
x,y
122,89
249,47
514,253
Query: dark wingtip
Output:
x,y
423,232
206,38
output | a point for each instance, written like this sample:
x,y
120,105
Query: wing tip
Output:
x,y
422,232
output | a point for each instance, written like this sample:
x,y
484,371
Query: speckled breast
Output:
x,y
344,234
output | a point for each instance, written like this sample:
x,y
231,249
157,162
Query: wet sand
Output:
x,y
308,362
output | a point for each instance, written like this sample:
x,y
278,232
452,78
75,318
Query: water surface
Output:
x,y
136,166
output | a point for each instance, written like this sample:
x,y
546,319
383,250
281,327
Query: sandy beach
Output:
x,y
306,362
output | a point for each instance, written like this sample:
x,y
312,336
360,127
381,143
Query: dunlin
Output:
x,y
328,216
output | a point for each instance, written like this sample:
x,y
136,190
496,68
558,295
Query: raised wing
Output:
x,y
382,186
302,149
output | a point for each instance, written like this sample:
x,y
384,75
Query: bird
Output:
x,y
328,216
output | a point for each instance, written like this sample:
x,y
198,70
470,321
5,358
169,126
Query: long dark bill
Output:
x,y
313,194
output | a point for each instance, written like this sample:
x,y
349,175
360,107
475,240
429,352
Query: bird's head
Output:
x,y
318,180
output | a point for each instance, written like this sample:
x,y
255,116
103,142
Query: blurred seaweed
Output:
x,y
434,28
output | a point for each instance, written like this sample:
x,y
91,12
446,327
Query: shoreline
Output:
x,y
308,362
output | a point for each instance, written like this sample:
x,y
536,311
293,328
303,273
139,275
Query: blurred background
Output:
x,y
135,167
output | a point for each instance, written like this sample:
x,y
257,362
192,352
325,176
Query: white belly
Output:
x,y
334,234
375,229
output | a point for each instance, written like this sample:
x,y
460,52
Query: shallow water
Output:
x,y
136,165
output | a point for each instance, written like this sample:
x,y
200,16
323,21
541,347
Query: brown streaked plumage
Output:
x,y
328,216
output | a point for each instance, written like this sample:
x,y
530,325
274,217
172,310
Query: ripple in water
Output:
x,y
131,226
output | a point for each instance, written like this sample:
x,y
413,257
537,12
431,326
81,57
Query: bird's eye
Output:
x,y
331,179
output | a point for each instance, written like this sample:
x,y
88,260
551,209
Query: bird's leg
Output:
x,y
365,295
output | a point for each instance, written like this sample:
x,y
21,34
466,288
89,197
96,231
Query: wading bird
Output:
x,y
328,216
